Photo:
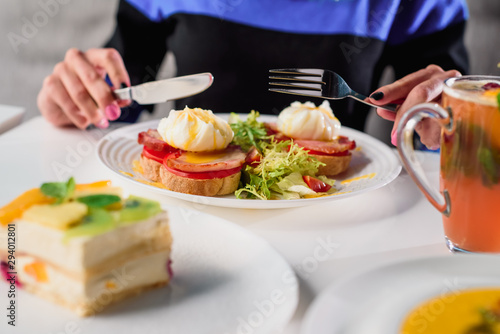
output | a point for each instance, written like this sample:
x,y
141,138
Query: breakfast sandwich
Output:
x,y
316,129
190,152
84,246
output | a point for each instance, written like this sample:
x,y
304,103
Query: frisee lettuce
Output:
x,y
249,132
293,186
272,176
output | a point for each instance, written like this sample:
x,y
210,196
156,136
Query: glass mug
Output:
x,y
469,196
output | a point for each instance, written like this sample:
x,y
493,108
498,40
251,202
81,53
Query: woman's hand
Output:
x,y
77,93
422,86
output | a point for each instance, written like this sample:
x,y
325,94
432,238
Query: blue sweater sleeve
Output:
x,y
418,18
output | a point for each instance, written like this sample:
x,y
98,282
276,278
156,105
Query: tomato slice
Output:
x,y
253,157
204,175
316,184
153,155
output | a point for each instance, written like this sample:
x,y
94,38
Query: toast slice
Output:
x,y
334,164
156,172
208,187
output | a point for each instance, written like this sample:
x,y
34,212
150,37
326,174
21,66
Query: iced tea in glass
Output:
x,y
470,161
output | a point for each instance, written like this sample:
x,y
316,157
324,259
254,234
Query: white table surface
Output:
x,y
322,242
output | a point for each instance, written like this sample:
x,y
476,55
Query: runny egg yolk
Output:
x,y
202,157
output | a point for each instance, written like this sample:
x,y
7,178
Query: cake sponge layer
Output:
x,y
88,296
89,255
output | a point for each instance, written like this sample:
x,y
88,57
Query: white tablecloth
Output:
x,y
322,242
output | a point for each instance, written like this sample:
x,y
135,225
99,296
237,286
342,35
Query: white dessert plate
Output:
x,y
373,165
10,117
377,301
226,280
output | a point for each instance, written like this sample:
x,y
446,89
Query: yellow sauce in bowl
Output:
x,y
460,312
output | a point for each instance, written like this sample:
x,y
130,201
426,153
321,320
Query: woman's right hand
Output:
x,y
77,93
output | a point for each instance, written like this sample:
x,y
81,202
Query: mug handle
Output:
x,y
405,131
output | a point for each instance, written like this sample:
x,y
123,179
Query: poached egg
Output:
x,y
309,122
195,130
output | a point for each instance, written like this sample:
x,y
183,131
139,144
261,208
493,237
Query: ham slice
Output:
x,y
152,140
341,144
335,147
271,128
231,157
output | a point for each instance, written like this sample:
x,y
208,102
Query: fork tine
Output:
x,y
313,93
298,78
312,86
299,71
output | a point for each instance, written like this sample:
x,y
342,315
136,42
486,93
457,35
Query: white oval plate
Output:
x,y
377,301
119,149
226,280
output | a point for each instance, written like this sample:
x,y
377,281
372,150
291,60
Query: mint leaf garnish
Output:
x,y
99,200
59,190
498,100
488,166
70,187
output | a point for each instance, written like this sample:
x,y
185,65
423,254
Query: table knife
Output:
x,y
166,90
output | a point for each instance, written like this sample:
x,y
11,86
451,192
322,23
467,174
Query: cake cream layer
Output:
x,y
85,256
89,296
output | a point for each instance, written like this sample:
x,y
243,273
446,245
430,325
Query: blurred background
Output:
x,y
36,36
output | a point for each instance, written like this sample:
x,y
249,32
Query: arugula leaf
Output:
x,y
59,190
99,200
248,133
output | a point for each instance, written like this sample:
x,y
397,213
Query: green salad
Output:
x,y
282,167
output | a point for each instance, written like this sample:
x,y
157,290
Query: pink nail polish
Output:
x,y
112,112
102,124
394,138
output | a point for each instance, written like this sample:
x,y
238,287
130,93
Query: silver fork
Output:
x,y
317,83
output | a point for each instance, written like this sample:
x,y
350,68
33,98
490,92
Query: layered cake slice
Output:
x,y
84,246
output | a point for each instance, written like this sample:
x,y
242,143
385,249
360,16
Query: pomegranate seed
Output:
x,y
491,85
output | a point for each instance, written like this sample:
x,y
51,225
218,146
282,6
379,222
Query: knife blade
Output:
x,y
165,90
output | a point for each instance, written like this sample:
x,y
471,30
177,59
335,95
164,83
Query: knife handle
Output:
x,y
123,93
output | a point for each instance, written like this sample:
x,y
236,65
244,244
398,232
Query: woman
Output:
x,y
239,41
